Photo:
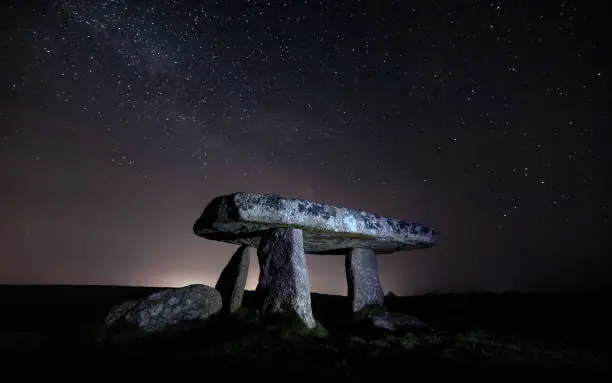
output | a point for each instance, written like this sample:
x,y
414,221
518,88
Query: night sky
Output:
x,y
487,120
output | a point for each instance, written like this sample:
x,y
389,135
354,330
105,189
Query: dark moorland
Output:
x,y
55,331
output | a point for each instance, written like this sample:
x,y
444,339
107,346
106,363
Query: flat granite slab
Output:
x,y
241,218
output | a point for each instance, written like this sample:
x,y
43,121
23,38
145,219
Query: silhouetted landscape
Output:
x,y
55,330
353,148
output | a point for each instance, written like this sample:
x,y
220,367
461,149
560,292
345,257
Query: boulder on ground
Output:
x,y
167,309
392,321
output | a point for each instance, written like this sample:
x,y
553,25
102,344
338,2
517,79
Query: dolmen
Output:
x,y
283,230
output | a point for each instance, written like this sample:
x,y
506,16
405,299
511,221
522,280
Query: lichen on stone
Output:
x,y
240,218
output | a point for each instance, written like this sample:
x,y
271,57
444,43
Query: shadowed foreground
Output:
x,y
55,330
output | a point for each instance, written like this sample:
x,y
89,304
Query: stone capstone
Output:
x,y
233,278
167,308
242,218
364,288
284,286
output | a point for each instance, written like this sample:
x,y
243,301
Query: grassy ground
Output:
x,y
245,345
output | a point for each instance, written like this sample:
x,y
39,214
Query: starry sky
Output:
x,y
488,120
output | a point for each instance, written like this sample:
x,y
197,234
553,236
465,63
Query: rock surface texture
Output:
x,y
118,312
391,321
241,218
284,286
233,278
362,279
284,229
167,308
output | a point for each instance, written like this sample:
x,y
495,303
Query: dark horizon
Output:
x,y
589,290
487,121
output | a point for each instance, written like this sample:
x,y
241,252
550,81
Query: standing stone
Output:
x,y
233,278
362,279
284,286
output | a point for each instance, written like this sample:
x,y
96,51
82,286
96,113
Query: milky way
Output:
x,y
486,120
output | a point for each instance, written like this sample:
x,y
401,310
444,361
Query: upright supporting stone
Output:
x,y
284,286
233,278
364,286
